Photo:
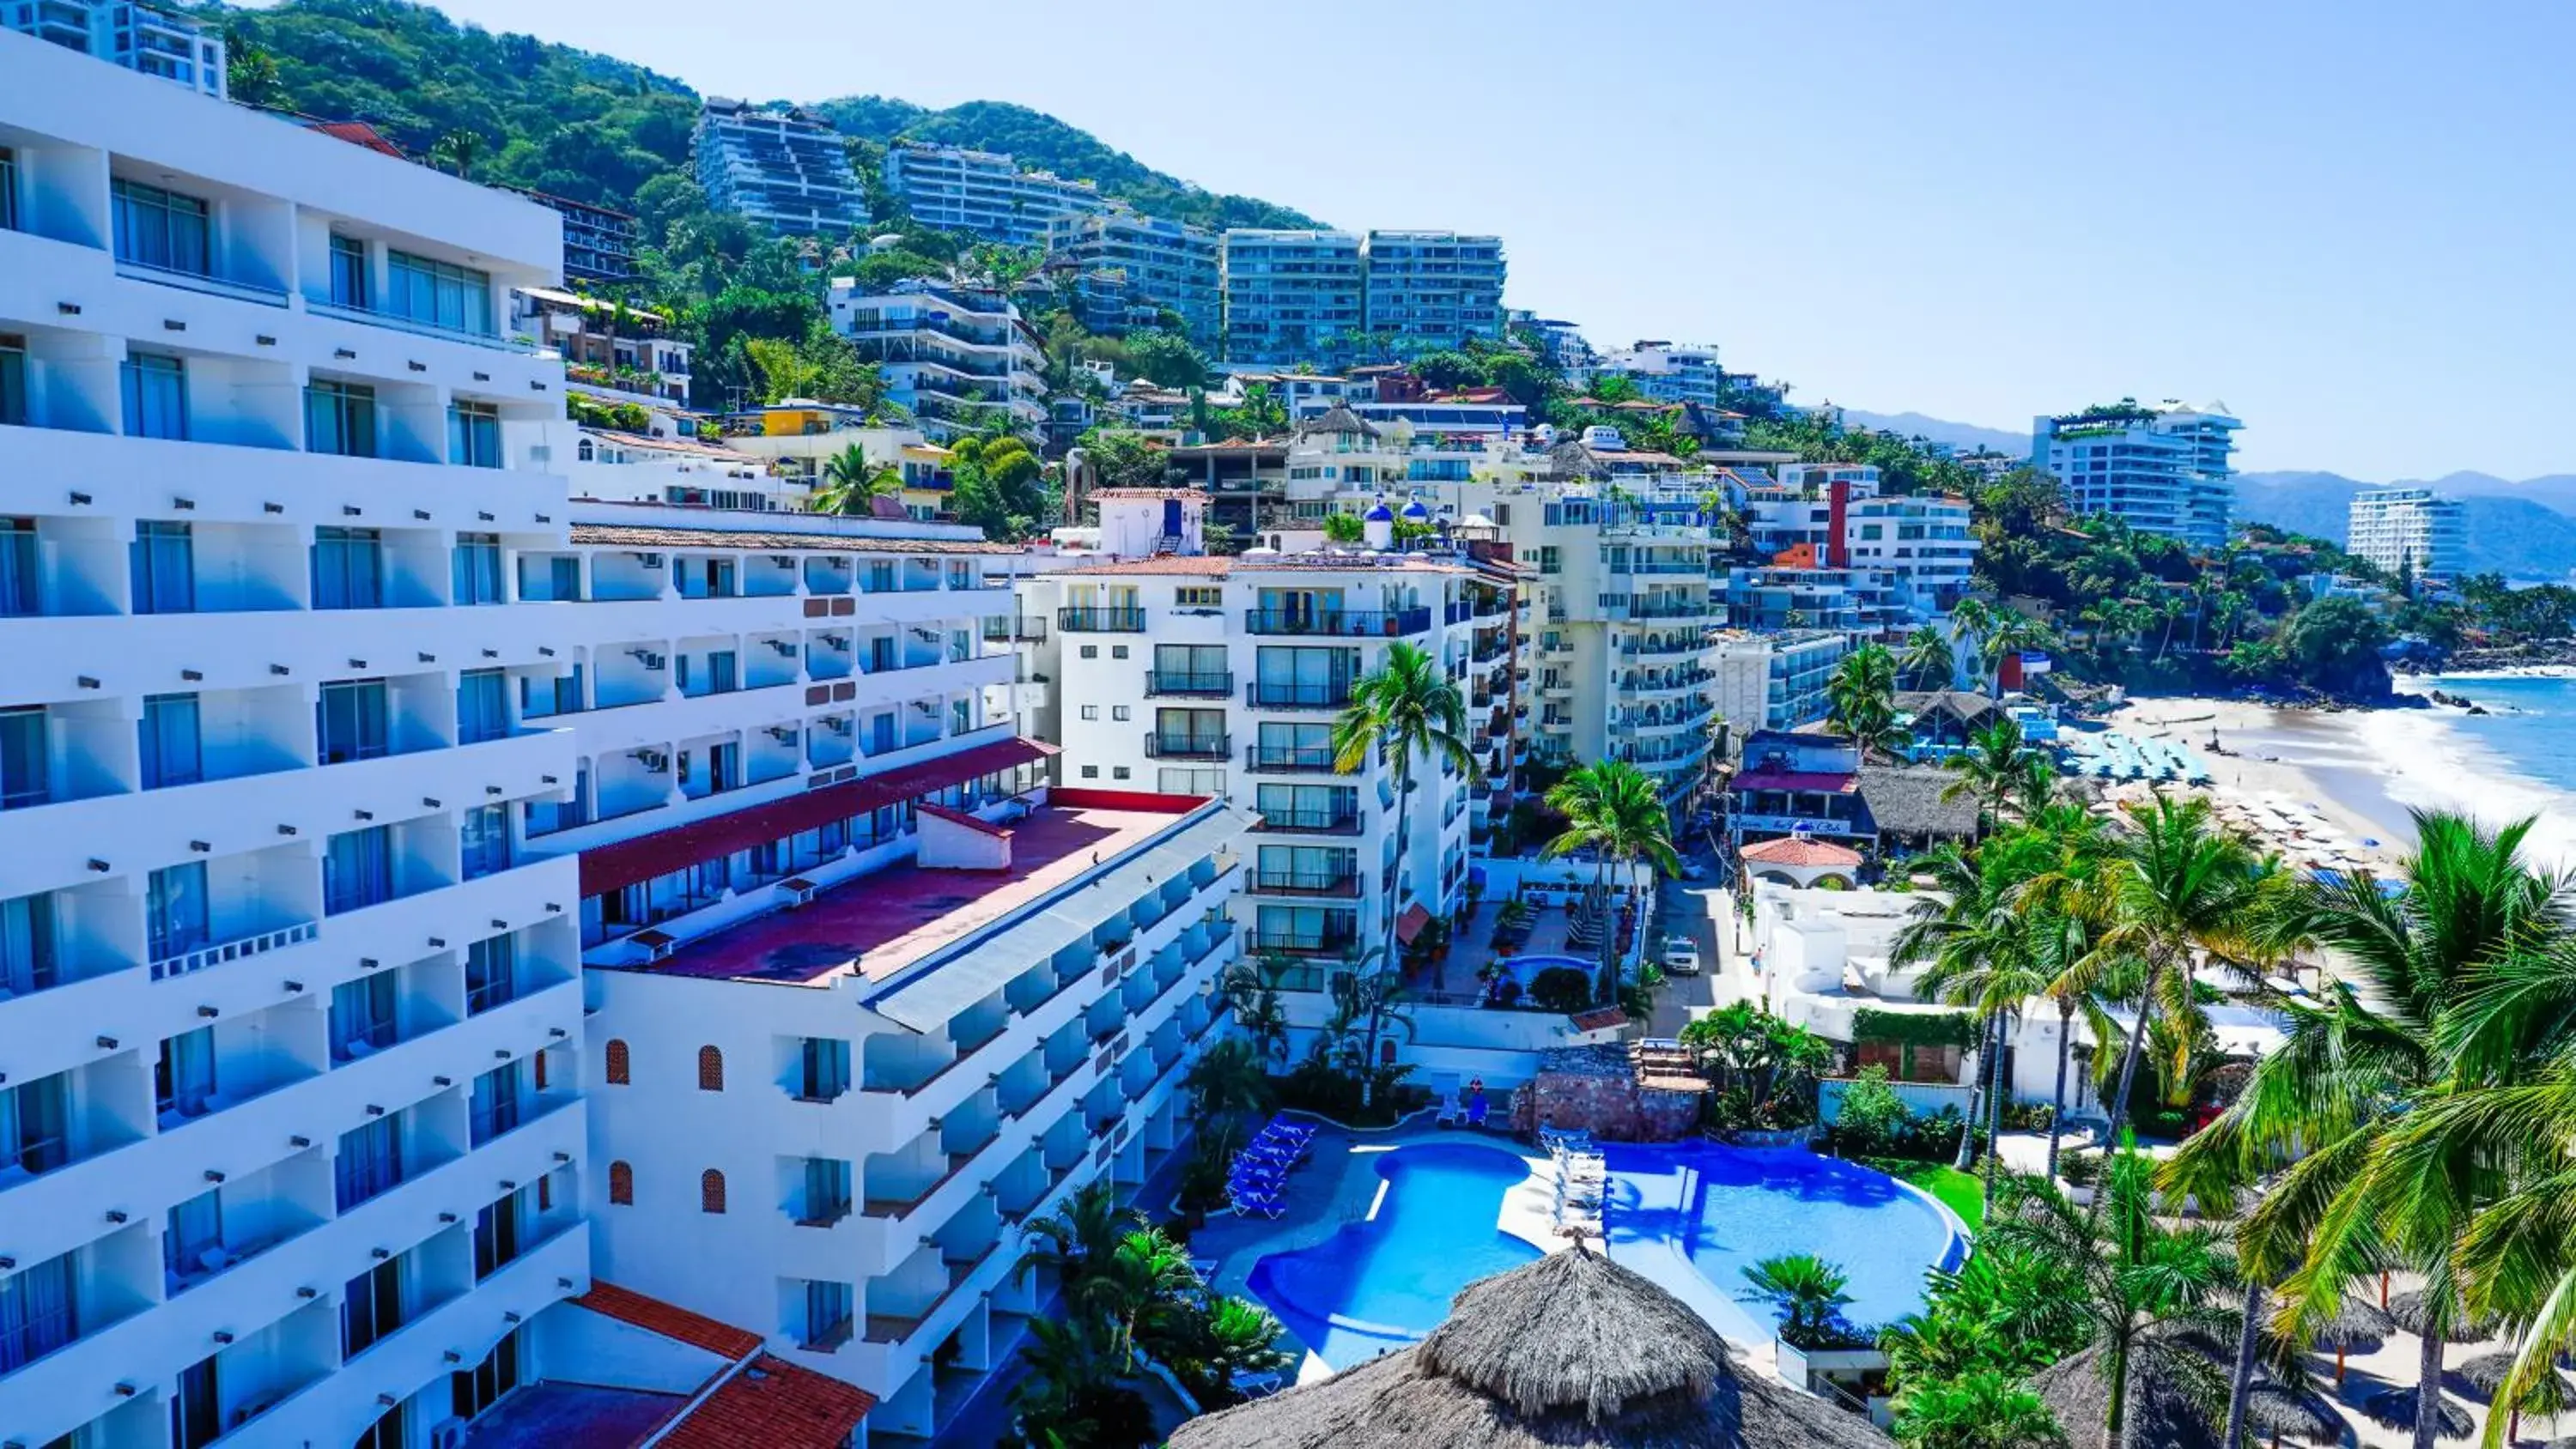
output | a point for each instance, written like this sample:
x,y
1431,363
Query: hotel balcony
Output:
x,y
1160,746
1164,682
1262,695
1073,620
1339,623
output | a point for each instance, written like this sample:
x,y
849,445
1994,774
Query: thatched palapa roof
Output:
x,y
2395,1408
2274,1411
2163,1411
1571,1352
1906,801
2407,1309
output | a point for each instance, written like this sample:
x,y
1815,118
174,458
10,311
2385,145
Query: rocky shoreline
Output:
x,y
2553,654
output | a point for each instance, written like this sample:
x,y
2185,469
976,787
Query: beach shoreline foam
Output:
x,y
2363,770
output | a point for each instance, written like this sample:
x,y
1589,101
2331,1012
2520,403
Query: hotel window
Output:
x,y
192,1239
19,595
620,1063
371,1307
183,1080
440,294
39,1311
369,1161
500,1230
197,1412
156,395
495,1102
363,1019
1198,598
170,742
26,758
8,189
29,960
348,568
350,723
475,565
485,830
13,380
482,706
358,870
711,1191
164,556
710,1069
473,435
163,229
621,1185
340,418
472,1391
33,1117
348,272
491,973
174,910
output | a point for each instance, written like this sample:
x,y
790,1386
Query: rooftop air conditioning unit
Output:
x,y
799,891
447,1433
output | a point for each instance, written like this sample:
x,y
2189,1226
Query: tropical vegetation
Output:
x,y
1613,810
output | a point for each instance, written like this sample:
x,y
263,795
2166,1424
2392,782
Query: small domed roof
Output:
x,y
1379,514
1416,512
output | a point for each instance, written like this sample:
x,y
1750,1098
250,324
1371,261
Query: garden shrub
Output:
x,y
1561,988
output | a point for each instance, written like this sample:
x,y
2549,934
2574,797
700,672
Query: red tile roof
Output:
x,y
612,867
1792,850
1599,1020
669,1320
773,1404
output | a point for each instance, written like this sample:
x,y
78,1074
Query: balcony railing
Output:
x,y
1186,747
400,323
1339,623
1296,695
1307,883
217,953
1183,682
1100,621
1300,943
998,630
205,282
1313,822
1302,759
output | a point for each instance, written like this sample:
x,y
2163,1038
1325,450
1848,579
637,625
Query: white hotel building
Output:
x,y
953,355
2409,528
984,193
2161,469
334,739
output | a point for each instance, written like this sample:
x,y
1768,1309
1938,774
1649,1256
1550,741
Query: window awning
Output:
x,y
628,862
1410,924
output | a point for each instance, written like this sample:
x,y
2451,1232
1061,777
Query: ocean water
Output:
x,y
2531,725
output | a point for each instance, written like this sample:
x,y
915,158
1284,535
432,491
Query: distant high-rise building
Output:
x,y
1426,289
599,241
781,167
136,37
2410,528
1670,372
1291,296
2161,469
984,193
1132,267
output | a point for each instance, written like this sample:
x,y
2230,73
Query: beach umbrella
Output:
x,y
2394,1408
1570,1350
2480,1377
2407,1310
2359,1326
2277,1412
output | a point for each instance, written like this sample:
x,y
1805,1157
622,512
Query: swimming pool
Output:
x,y
1383,1282
1692,1217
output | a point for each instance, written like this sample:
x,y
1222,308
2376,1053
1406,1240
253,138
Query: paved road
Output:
x,y
1705,912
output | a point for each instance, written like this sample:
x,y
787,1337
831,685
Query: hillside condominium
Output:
x,y
2411,529
2161,469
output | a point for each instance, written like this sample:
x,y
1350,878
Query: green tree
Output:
x,y
2334,643
1080,1234
1166,358
1612,809
851,484
2001,770
1986,1409
1228,1081
1861,700
1407,711
1807,1292
1929,662
1344,528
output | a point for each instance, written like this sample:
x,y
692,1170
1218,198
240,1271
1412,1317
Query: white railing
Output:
x,y
234,950
202,282
400,323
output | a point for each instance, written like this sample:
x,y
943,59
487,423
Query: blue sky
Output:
x,y
2350,222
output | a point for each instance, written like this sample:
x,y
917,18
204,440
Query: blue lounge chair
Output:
x,y
1476,1110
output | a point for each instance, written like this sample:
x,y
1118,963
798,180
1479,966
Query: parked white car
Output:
x,y
1681,956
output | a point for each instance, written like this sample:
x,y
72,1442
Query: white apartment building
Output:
x,y
290,1018
2161,469
1775,680
625,353
782,168
1789,596
984,193
1427,289
1156,265
832,1123
1291,296
1669,372
950,354
1178,672
1921,542
137,37
2409,528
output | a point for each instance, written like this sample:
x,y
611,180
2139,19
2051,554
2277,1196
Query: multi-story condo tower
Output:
x,y
2161,469
1667,372
955,356
290,1017
599,241
1158,266
782,168
137,37
1426,289
984,193
2414,529
1291,296
1921,542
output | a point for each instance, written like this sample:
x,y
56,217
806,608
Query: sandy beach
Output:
x,y
2362,770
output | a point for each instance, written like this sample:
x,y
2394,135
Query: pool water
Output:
x,y
1384,1282
1694,1217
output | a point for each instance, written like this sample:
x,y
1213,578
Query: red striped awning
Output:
x,y
627,862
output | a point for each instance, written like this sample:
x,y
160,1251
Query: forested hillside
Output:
x,y
526,112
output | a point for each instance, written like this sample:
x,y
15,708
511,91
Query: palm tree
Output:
x,y
1252,989
850,485
1861,700
1982,1409
457,150
1978,951
1368,1010
1613,809
2145,1291
2179,884
1212,1345
1068,1374
1809,1294
1929,660
2428,1010
1142,1271
1409,709
1344,528
1229,1081
1082,1233
2001,770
